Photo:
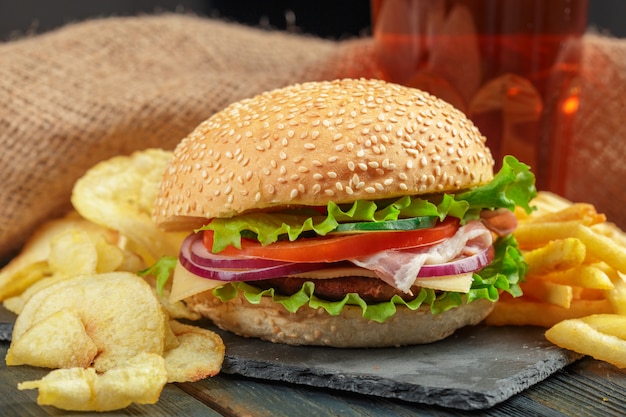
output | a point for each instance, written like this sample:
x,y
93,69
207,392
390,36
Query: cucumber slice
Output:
x,y
411,223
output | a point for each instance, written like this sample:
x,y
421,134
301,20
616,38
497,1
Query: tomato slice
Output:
x,y
339,248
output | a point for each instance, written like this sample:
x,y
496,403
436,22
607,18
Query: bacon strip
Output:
x,y
502,221
400,268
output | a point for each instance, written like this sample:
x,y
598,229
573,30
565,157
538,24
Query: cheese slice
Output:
x,y
185,284
457,283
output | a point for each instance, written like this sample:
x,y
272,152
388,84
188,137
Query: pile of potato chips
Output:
x,y
83,310
576,281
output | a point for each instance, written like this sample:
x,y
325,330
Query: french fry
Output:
x,y
576,281
582,212
603,247
612,231
589,294
617,295
549,292
521,312
586,276
532,235
547,202
558,255
587,336
611,324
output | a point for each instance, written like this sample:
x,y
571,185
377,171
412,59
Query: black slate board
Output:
x,y
475,368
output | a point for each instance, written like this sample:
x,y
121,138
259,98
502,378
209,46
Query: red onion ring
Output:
x,y
203,257
241,273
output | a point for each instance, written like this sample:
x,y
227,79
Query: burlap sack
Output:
x,y
91,90
596,162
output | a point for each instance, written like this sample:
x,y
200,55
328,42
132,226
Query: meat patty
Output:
x,y
371,290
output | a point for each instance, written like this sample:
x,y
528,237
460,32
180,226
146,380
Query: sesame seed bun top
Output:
x,y
310,143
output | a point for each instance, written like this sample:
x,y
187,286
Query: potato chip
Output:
x,y
22,279
16,304
140,380
118,310
199,355
120,193
57,341
174,309
20,273
73,253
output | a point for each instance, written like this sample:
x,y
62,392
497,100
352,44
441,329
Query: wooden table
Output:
x,y
585,388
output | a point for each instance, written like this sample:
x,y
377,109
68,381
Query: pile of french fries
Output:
x,y
576,280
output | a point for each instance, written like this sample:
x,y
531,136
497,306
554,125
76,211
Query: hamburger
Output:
x,y
346,213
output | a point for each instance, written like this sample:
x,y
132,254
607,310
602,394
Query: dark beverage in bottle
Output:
x,y
510,65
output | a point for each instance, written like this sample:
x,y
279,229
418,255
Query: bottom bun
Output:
x,y
271,321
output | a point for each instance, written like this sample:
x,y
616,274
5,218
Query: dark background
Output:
x,y
338,19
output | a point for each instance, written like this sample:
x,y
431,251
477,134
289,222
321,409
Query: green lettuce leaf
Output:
x,y
513,185
161,270
504,274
